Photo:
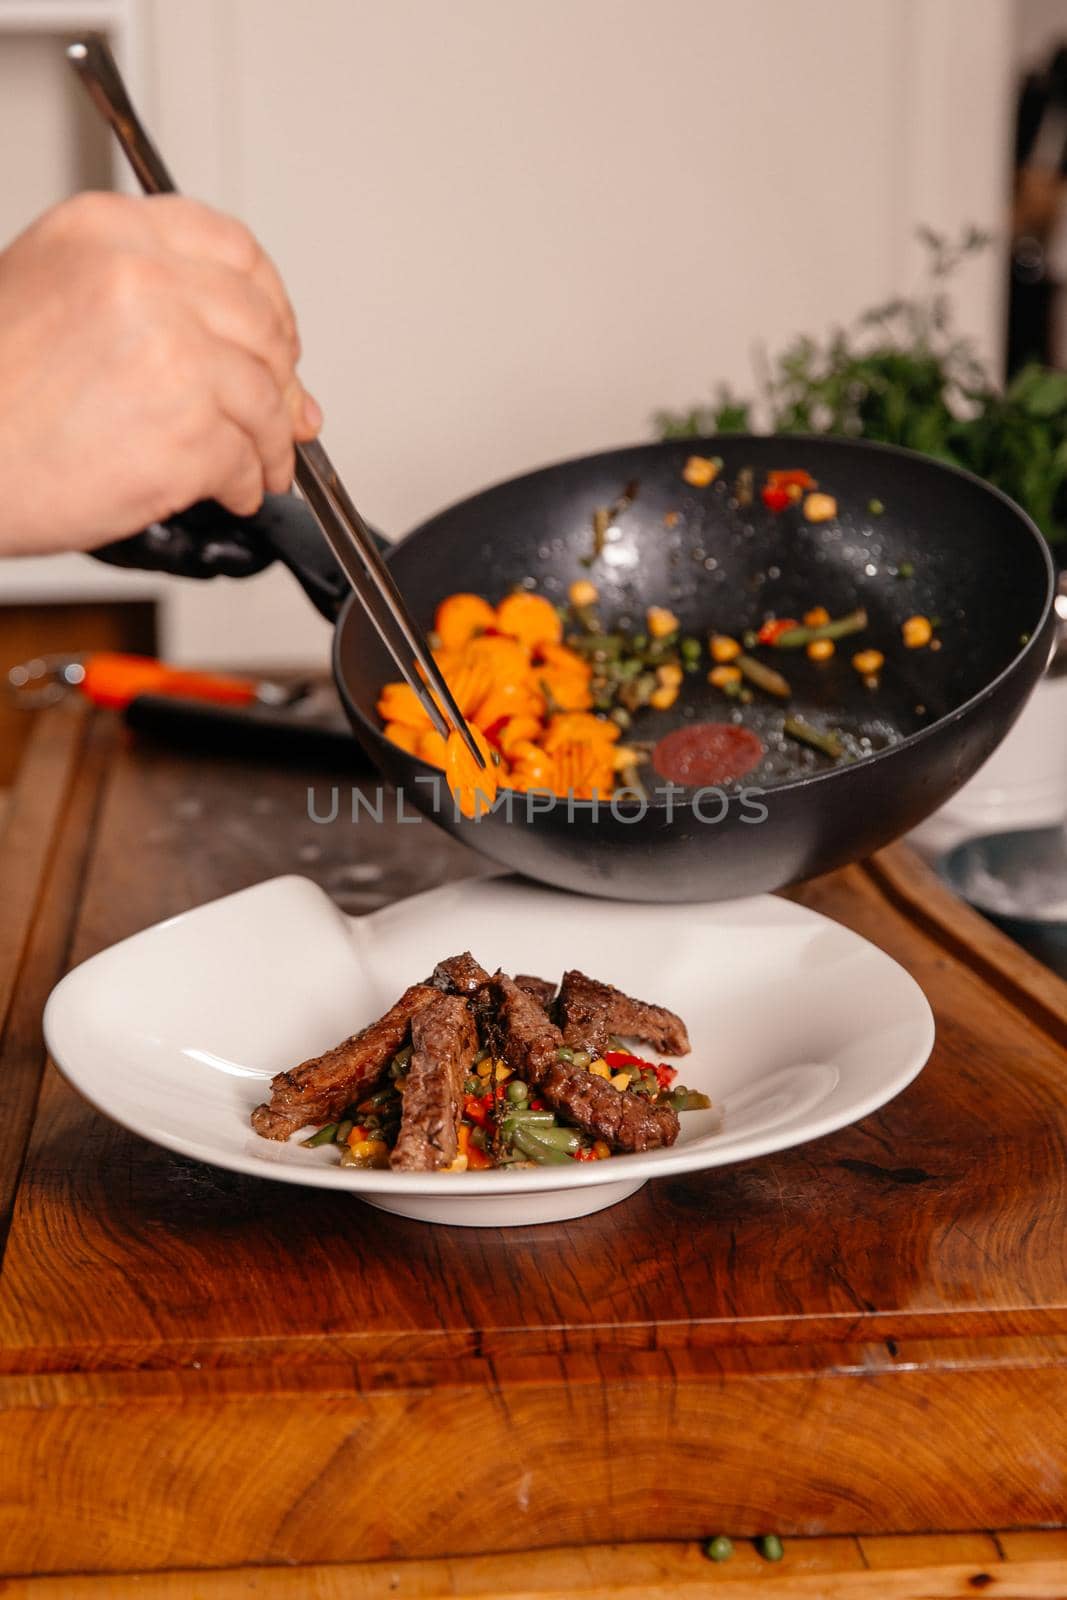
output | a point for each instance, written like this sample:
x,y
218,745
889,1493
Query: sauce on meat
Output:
x,y
707,753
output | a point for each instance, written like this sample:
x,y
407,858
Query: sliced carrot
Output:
x,y
517,728
508,659
529,617
580,726
565,689
477,1160
460,617
473,787
564,659
431,748
510,700
407,738
400,703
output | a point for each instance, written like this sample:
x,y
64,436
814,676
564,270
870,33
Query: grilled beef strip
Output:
x,y
319,1090
528,1041
460,975
543,991
589,1011
444,1039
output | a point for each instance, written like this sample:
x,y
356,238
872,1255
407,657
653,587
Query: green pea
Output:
x,y
690,647
720,1548
875,507
517,1090
563,1054
905,570
639,641
580,1058
770,1547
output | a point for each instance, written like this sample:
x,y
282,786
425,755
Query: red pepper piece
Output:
x,y
623,1058
537,1105
495,729
475,1109
585,1155
772,630
665,1075
773,498
791,478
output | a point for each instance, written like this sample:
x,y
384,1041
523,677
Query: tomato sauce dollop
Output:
x,y
706,754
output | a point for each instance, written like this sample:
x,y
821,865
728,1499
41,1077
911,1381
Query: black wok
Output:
x,y
978,564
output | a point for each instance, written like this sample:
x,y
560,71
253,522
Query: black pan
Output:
x,y
978,564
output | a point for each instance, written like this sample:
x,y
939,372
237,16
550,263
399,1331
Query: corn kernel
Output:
x,y
723,648
601,1149
820,507
624,755
820,649
660,621
458,1165
722,677
670,674
600,1069
583,593
621,1080
484,1068
663,697
670,519
501,1071
935,644
817,617
700,471
917,632
868,662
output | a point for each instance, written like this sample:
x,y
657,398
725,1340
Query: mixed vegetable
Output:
x,y
504,1121
552,691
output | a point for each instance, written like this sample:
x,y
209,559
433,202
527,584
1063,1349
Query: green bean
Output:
x,y
793,638
826,741
324,1136
764,678
690,1100
472,1086
534,1118
561,1138
343,1130
536,1149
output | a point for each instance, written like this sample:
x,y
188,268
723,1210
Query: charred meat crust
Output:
x,y
528,1042
589,1011
444,1040
543,991
319,1089
460,975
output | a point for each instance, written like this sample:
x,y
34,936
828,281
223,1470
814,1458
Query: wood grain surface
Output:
x,y
864,1335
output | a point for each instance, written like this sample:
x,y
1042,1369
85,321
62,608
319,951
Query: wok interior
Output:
x,y
975,570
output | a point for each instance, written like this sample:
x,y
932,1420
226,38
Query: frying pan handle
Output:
x,y
207,541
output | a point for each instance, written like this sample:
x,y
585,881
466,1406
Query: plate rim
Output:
x,y
664,1162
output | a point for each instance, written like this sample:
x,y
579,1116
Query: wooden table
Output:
x,y
860,1338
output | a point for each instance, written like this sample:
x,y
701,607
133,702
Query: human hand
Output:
x,y
147,360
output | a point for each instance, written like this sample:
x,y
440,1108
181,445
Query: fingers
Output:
x,y
248,396
195,230
235,471
239,295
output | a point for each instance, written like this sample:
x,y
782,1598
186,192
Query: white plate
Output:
x,y
798,1026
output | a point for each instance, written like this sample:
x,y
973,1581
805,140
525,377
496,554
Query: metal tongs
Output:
x,y
343,528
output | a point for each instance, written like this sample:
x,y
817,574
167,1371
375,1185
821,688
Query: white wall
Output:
x,y
512,228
